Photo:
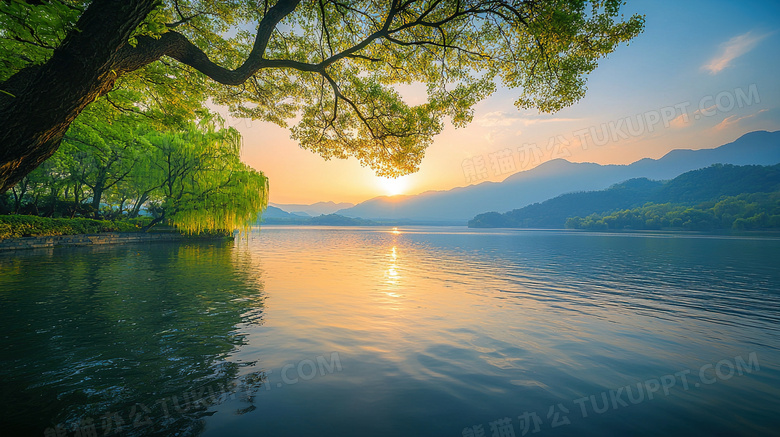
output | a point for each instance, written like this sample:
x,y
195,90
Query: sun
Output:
x,y
393,186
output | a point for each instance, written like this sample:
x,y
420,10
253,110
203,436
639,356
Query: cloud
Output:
x,y
684,119
705,111
732,49
734,119
504,119
681,120
497,118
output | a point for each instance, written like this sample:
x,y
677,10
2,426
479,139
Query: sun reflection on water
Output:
x,y
392,288
392,277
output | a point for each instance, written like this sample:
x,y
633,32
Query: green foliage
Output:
x,y
15,226
192,178
743,212
719,180
332,68
351,108
30,33
201,182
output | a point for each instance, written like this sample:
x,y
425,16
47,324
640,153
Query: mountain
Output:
x,y
313,210
691,188
560,176
553,213
274,212
321,220
276,216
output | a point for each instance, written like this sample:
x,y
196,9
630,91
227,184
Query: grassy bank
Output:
x,y
16,226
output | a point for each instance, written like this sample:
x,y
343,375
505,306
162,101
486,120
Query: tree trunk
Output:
x,y
53,199
97,190
153,222
4,209
18,197
76,201
121,207
45,99
97,193
139,203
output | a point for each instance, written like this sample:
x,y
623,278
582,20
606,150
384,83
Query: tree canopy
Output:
x,y
327,69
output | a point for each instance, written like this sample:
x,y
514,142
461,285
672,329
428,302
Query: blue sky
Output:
x,y
716,54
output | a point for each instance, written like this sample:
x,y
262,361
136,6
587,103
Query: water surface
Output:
x,y
408,331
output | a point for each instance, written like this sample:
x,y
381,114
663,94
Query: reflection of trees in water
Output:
x,y
131,339
178,414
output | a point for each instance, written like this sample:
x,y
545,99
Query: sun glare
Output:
x,y
393,186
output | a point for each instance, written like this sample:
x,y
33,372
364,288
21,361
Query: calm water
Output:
x,y
382,332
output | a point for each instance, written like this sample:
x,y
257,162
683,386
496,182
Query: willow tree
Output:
x,y
198,180
329,65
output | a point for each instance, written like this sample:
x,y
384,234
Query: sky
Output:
x,y
702,74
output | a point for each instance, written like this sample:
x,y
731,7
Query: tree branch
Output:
x,y
177,46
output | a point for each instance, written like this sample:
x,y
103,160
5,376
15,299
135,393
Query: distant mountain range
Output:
x,y
313,210
276,216
320,220
692,188
278,213
560,176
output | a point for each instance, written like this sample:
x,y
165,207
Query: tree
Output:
x,y
199,182
332,64
102,154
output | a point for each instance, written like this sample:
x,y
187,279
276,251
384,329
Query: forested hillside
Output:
x,y
659,203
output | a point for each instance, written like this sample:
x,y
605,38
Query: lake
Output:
x,y
409,331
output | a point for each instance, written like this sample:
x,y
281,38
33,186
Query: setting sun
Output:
x,y
393,186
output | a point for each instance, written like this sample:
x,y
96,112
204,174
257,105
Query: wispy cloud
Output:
x,y
684,119
681,120
732,49
732,120
504,119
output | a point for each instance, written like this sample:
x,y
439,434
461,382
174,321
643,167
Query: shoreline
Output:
x,y
103,238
